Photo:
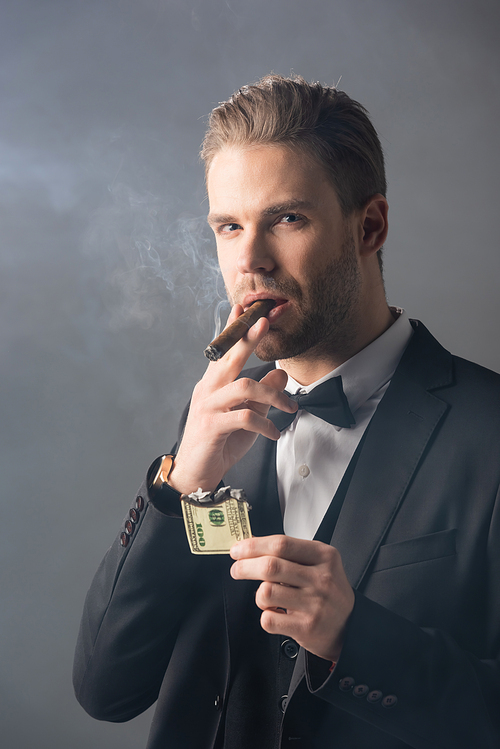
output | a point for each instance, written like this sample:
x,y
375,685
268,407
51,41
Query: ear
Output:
x,y
374,225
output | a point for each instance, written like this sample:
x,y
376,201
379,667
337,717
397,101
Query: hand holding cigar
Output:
x,y
235,332
227,412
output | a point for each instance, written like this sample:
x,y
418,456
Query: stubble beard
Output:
x,y
327,321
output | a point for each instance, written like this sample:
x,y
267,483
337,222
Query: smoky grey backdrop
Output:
x,y
109,285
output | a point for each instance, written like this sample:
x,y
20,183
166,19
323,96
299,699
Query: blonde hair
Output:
x,y
317,119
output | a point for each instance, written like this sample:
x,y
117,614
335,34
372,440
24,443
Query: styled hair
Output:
x,y
319,120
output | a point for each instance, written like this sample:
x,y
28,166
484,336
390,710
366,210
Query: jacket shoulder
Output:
x,y
257,373
471,390
475,373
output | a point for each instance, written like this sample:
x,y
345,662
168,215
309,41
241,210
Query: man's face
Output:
x,y
280,234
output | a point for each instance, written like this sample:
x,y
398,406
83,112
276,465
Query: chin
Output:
x,y
275,346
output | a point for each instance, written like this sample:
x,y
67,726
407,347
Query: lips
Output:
x,y
276,312
251,298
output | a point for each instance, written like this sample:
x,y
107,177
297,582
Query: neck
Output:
x,y
319,361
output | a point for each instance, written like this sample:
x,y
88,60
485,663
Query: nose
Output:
x,y
254,254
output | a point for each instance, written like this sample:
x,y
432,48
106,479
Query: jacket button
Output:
x,y
218,702
346,684
129,527
360,690
374,696
389,700
124,539
283,703
290,648
134,515
139,504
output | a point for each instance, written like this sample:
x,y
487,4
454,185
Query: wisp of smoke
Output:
x,y
157,265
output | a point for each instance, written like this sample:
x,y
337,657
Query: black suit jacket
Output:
x,y
419,535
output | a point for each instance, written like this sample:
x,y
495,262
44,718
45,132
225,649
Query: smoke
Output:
x,y
160,263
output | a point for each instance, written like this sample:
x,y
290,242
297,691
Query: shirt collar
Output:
x,y
365,373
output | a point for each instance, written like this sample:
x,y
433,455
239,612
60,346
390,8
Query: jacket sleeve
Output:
x,y
416,683
132,614
134,608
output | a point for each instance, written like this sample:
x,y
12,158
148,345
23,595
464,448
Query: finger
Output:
x,y
276,378
274,596
244,419
236,311
284,547
279,622
273,570
247,344
247,393
230,365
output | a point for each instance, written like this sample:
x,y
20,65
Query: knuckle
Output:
x,y
334,554
198,392
250,546
330,557
245,385
272,567
326,551
312,619
198,387
325,580
244,416
279,545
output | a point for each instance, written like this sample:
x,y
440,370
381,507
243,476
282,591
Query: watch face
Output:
x,y
159,470
154,470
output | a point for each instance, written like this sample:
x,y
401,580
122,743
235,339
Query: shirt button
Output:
x,y
283,703
304,471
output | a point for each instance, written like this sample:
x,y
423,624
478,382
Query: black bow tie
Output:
x,y
327,401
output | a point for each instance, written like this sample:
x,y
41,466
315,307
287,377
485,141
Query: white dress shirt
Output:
x,y
313,455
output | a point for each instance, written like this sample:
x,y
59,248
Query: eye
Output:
x,y
228,228
291,218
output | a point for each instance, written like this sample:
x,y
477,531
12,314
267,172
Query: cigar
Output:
x,y
229,337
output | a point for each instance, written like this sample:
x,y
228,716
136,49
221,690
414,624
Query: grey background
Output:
x,y
105,312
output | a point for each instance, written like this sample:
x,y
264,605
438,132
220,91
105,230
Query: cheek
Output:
x,y
304,263
229,278
226,265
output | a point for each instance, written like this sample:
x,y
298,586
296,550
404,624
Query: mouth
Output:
x,y
280,304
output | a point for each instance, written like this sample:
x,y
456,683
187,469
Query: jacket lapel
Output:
x,y
401,429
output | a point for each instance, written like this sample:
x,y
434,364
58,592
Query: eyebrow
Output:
x,y
272,210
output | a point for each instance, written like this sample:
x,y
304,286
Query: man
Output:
x,y
365,610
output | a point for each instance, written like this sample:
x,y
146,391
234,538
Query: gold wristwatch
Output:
x,y
164,497
160,471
